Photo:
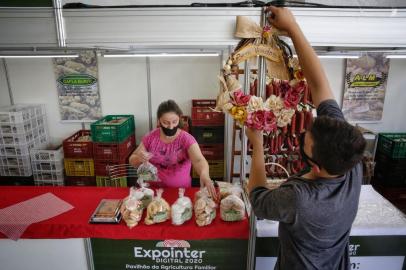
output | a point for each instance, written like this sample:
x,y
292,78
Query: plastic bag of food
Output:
x,y
226,189
203,192
143,194
158,210
205,208
232,208
131,209
182,209
147,172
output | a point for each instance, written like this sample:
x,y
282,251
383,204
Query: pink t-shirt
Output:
x,y
171,159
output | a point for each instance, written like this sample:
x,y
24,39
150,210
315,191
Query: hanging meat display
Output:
x,y
286,111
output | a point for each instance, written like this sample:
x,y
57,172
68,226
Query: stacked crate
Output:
x,y
79,164
186,123
208,130
390,168
22,127
113,142
47,166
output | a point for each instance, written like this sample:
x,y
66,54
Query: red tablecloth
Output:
x,y
75,223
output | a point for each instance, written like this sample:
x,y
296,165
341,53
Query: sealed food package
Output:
x,y
182,209
203,192
232,208
147,172
158,210
131,209
226,189
205,208
144,194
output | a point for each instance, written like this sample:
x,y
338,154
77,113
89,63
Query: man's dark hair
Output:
x,y
170,106
337,145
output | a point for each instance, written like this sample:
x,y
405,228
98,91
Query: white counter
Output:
x,y
377,238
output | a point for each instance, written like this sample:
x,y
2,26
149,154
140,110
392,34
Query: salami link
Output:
x,y
305,94
269,90
293,124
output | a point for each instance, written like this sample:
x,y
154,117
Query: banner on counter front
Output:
x,y
373,252
216,254
78,87
365,87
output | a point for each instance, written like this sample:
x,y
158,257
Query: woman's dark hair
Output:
x,y
170,106
337,145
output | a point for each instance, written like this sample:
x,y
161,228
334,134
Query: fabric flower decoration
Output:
x,y
284,87
274,103
255,104
261,120
285,117
240,99
266,33
291,99
239,113
298,74
227,107
293,96
299,86
270,121
256,120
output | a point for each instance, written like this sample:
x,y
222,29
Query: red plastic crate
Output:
x,y
101,166
203,115
72,148
114,151
186,123
212,151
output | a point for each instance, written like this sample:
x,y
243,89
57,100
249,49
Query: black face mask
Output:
x,y
305,157
169,131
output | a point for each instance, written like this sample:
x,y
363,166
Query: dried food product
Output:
x,y
205,208
117,121
131,210
203,192
182,209
142,194
147,172
226,189
158,210
232,208
85,138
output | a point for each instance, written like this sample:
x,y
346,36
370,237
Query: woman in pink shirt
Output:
x,y
173,151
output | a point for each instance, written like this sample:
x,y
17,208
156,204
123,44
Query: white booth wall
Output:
x,y
123,88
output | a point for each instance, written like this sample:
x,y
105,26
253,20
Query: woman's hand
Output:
x,y
140,155
208,183
144,156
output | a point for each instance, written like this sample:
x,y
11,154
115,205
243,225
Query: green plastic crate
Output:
x,y
105,181
105,131
392,144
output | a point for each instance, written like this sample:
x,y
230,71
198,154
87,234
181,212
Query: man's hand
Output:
x,y
282,18
313,71
257,171
255,137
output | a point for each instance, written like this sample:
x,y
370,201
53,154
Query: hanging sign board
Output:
x,y
78,87
365,88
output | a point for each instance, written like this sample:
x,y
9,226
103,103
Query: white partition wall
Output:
x,y
123,89
183,79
